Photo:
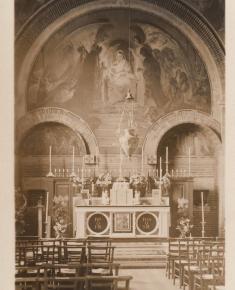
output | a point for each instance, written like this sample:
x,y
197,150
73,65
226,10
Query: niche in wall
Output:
x,y
204,145
34,149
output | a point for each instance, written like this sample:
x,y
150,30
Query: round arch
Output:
x,y
57,115
164,124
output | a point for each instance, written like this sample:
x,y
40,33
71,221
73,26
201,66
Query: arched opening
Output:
x,y
34,150
193,164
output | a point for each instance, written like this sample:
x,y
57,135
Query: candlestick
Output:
x,y
160,187
142,161
167,159
50,173
83,172
47,200
203,215
189,161
73,163
73,158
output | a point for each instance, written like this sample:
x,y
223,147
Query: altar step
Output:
x,y
140,254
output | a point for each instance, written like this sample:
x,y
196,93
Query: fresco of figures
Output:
x,y
60,137
90,70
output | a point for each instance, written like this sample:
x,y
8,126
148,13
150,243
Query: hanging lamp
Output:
x,y
128,139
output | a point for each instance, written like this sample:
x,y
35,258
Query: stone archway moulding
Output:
x,y
164,124
57,13
58,115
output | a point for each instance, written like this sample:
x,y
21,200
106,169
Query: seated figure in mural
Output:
x,y
118,78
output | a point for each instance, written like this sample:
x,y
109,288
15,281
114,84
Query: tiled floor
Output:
x,y
149,279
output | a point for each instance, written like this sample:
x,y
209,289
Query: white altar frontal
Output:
x,y
121,221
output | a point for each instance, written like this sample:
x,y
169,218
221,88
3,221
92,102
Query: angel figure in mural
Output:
x,y
60,73
174,77
139,69
152,74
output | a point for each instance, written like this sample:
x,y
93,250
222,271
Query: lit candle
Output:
x,y
160,178
82,171
167,159
142,161
189,161
73,161
203,217
47,200
50,158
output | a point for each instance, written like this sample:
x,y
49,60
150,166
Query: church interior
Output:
x,y
119,144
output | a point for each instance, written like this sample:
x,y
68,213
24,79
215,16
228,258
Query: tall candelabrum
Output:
x,y
203,215
50,173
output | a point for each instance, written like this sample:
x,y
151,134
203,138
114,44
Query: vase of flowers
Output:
x,y
138,184
104,182
184,226
20,210
60,215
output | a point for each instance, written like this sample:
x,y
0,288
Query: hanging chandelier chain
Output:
x,y
129,33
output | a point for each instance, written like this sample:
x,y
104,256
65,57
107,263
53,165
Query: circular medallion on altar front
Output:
x,y
147,223
97,223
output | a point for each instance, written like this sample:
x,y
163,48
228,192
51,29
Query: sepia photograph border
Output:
x,y
7,234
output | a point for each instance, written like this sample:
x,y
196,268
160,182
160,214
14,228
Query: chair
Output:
x,y
173,251
100,259
29,277
29,283
63,277
100,254
72,254
107,282
99,241
214,276
205,249
180,261
28,255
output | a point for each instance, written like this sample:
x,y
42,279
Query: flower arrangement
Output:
x,y
165,183
104,181
138,183
20,208
184,226
182,203
60,215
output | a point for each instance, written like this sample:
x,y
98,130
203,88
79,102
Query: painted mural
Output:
x,y
61,138
186,136
213,10
90,70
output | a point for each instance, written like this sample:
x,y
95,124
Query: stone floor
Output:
x,y
149,279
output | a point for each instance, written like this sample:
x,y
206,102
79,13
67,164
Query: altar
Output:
x,y
121,221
